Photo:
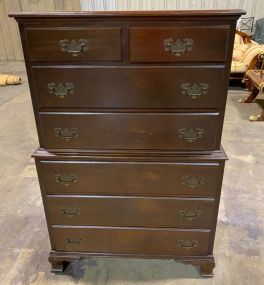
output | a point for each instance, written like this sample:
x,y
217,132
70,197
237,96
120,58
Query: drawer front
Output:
x,y
134,87
130,211
148,131
127,178
178,44
131,240
74,44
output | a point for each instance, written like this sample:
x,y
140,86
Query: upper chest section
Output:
x,y
128,39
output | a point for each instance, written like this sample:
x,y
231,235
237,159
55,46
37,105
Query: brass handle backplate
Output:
x,y
194,91
192,181
60,90
191,135
74,47
189,215
65,179
178,47
66,133
187,244
74,241
70,212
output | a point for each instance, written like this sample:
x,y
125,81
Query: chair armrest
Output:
x,y
246,38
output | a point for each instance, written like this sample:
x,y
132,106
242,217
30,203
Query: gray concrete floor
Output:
x,y
24,243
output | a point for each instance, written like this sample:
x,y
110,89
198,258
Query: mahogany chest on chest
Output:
x,y
129,108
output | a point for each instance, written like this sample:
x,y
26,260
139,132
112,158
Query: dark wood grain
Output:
x,y
130,131
130,240
104,44
209,43
128,162
126,87
235,13
130,177
130,211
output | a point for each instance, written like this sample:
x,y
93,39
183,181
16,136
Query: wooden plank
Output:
x,y
72,5
59,5
2,48
14,6
5,33
37,6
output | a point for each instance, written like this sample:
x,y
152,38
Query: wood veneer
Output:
x,y
129,108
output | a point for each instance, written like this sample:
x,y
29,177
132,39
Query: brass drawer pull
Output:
x,y
74,241
74,47
60,90
194,91
70,212
65,179
189,215
178,47
191,134
187,244
192,181
66,133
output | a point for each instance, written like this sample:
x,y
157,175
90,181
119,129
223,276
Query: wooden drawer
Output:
x,y
74,44
179,43
130,211
130,87
162,131
151,241
198,179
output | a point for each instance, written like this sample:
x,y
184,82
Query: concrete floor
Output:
x,y
24,244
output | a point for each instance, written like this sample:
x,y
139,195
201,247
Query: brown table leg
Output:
x,y
251,96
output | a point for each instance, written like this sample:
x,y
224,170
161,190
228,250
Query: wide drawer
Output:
x,y
130,87
73,177
74,44
130,211
148,131
151,241
178,44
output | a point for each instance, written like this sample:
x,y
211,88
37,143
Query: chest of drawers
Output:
x,y
129,109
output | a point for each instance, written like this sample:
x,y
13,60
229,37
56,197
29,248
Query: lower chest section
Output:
x,y
131,206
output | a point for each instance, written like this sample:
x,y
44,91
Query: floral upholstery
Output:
x,y
244,54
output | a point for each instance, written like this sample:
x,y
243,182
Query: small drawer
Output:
x,y
130,87
190,179
123,131
179,44
130,211
74,44
151,241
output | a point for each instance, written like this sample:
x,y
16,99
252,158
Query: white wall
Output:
x,y
252,7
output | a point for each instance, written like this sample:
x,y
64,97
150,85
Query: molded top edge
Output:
x,y
161,13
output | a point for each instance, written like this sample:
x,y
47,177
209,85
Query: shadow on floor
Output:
x,y
129,269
